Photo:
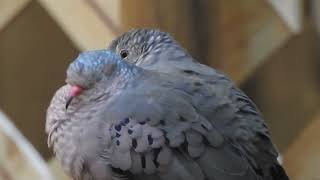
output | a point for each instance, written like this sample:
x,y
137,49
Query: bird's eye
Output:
x,y
124,53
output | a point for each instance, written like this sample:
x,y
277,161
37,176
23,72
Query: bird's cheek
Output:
x,y
108,70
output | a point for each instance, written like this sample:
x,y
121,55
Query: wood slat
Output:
x,y
286,88
34,54
9,9
302,159
248,32
56,170
112,9
82,22
291,13
18,158
315,13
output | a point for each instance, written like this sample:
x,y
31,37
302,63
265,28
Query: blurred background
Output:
x,y
270,48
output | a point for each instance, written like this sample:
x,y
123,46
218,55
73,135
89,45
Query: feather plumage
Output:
x,y
164,117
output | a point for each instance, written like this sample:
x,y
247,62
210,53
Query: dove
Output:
x,y
124,114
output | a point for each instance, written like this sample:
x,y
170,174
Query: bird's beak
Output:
x,y
75,91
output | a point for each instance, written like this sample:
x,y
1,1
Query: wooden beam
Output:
x,y
286,87
112,8
56,170
31,41
315,13
302,160
18,158
291,13
248,32
9,9
83,21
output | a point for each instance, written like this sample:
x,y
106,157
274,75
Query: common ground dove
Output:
x,y
145,109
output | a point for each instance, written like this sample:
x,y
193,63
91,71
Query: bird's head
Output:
x,y
88,69
133,46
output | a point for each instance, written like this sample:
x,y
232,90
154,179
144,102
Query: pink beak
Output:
x,y
74,92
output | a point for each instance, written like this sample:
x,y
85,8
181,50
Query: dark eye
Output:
x,y
124,53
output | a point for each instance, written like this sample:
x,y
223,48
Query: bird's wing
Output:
x,y
156,127
227,108
251,133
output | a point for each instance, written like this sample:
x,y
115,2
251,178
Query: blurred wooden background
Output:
x,y
269,47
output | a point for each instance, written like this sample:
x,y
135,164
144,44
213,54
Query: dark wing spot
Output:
x,y
162,122
143,161
204,127
134,143
196,90
117,172
150,139
125,121
155,157
211,82
117,127
190,72
182,119
198,84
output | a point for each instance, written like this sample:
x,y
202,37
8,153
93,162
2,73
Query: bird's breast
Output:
x,y
82,138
